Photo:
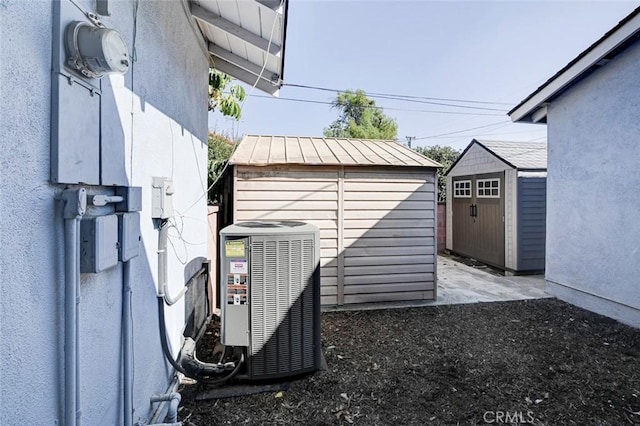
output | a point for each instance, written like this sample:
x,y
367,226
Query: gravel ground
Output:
x,y
540,362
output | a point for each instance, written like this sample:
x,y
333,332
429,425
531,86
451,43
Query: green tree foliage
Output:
x,y
444,155
360,118
227,103
220,150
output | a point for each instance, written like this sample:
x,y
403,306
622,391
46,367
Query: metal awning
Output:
x,y
246,38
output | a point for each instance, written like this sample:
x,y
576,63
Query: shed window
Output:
x,y
488,188
462,189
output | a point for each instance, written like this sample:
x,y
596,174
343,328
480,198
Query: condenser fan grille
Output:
x,y
282,306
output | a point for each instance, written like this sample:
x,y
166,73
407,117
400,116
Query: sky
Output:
x,y
478,51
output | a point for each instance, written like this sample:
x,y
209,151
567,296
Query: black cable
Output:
x,y
309,101
399,97
178,367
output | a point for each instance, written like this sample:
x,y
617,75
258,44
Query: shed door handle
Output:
x,y
475,210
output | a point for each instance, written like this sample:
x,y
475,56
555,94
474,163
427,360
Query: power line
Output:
x,y
462,131
310,101
400,97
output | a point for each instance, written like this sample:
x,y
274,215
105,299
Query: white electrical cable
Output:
x,y
264,65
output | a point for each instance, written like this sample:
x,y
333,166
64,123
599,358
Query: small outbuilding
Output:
x,y
373,201
496,204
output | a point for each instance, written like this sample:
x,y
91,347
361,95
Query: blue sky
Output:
x,y
494,51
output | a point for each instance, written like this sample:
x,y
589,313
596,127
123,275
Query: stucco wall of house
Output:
x,y
156,116
593,240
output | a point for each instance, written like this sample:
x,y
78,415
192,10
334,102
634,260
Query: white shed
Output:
x,y
496,204
374,202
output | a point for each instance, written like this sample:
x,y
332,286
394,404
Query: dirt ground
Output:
x,y
540,362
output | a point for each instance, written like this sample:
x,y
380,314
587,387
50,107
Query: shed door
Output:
x,y
389,236
478,217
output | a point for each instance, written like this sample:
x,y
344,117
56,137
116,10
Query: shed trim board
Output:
x,y
372,250
480,160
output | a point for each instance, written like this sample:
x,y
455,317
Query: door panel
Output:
x,y
478,220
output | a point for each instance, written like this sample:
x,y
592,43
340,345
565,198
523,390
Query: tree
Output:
x,y
229,104
444,155
360,118
220,150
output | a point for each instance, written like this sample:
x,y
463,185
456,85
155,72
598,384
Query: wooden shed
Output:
x,y
374,202
496,204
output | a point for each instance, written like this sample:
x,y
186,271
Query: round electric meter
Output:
x,y
95,51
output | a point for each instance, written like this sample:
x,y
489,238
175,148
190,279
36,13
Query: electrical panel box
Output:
x,y
132,199
270,296
75,110
98,243
129,235
161,198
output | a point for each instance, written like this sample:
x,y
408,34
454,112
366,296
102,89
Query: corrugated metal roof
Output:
x,y
271,150
246,38
521,155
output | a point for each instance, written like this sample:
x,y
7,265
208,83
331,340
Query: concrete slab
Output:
x,y
459,284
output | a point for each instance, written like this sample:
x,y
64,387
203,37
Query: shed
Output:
x,y
496,204
373,201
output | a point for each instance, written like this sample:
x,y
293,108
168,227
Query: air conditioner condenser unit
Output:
x,y
270,296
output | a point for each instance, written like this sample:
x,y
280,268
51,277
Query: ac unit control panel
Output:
x,y
235,291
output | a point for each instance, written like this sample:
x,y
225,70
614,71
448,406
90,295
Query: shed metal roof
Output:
x,y
245,38
272,150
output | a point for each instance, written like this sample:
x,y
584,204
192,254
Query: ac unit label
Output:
x,y
234,248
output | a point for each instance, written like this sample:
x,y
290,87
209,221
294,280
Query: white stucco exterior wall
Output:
x,y
159,113
478,160
593,239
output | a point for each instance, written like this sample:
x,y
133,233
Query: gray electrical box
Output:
x,y
129,235
161,198
270,296
98,243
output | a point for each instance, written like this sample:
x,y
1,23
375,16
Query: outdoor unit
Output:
x,y
270,296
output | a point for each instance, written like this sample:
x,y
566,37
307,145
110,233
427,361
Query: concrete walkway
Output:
x,y
459,283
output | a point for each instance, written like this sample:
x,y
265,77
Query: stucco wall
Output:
x,y
158,114
593,240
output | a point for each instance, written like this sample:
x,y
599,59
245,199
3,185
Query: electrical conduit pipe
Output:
x,y
127,370
74,208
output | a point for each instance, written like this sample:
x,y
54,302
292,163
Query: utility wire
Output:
x,y
310,101
399,97
462,131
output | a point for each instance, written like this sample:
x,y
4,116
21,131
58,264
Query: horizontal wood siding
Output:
x,y
532,197
389,236
387,251
308,195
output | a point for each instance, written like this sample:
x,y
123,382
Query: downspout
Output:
x,y
74,208
127,373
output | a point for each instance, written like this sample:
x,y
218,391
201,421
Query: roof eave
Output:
x,y
596,55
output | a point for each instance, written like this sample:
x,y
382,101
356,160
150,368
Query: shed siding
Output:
x,y
276,193
389,231
511,219
532,196
377,226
